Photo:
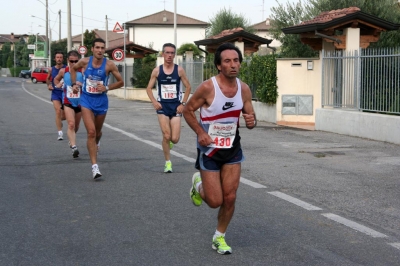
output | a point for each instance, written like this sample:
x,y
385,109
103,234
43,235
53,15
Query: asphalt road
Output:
x,y
306,197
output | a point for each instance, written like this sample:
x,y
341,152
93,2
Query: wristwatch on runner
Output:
x,y
183,103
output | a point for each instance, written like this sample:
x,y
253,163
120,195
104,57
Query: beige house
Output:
x,y
262,29
110,36
317,92
156,29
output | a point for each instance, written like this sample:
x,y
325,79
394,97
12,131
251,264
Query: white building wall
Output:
x,y
157,36
266,35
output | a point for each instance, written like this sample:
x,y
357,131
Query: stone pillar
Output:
x,y
240,45
189,55
352,39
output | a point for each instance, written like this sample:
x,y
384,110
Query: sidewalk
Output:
x,y
141,95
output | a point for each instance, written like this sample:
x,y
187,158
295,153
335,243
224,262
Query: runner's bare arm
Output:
x,y
248,111
186,83
58,78
48,80
149,89
82,63
114,70
198,99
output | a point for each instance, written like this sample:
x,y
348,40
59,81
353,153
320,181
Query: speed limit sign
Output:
x,y
82,50
118,55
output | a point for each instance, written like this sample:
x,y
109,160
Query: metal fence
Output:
x,y
199,71
128,74
367,80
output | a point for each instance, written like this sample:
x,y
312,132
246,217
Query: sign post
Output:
x,y
118,55
82,50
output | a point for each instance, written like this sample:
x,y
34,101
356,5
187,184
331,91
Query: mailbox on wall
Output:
x,y
297,105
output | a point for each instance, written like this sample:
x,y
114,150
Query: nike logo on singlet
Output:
x,y
227,106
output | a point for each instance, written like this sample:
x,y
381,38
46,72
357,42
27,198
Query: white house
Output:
x,y
156,29
262,29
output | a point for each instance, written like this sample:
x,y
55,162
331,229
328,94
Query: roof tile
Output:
x,y
330,15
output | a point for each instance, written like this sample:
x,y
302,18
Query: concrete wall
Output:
x,y
132,94
263,111
295,79
5,72
359,124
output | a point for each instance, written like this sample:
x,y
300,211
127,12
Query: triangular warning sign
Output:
x,y
117,28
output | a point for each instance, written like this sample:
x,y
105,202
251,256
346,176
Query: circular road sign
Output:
x,y
82,50
118,55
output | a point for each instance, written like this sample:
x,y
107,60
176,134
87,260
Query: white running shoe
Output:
x,y
60,135
96,171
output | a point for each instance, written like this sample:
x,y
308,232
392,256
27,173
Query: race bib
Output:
x,y
168,91
71,94
91,86
223,135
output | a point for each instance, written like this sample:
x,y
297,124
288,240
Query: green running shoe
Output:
x,y
220,245
168,167
194,195
171,145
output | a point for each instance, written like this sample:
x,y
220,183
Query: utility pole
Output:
x,y
82,20
59,25
69,34
46,50
175,35
107,32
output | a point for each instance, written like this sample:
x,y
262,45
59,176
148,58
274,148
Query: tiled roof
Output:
x,y
232,35
166,18
225,33
100,34
330,15
16,37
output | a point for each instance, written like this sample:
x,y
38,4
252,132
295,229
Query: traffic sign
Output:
x,y
118,28
118,55
82,50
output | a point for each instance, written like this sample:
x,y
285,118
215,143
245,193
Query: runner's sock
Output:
x,y
218,233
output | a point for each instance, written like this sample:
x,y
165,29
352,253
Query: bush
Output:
x,y
142,68
17,70
259,72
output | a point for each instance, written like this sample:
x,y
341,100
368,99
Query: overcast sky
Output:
x,y
16,15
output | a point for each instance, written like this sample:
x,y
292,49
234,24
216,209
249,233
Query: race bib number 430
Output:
x,y
168,91
223,135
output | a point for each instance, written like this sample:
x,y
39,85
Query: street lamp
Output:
x,y
14,52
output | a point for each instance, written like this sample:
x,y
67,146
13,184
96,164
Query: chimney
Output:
x,y
12,35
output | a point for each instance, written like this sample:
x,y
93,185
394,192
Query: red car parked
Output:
x,y
39,74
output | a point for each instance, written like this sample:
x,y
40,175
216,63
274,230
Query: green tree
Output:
x,y
88,38
142,68
292,14
58,46
225,19
190,47
6,53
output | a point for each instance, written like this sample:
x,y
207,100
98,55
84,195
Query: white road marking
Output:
x,y
353,225
251,183
151,143
278,194
395,245
295,201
